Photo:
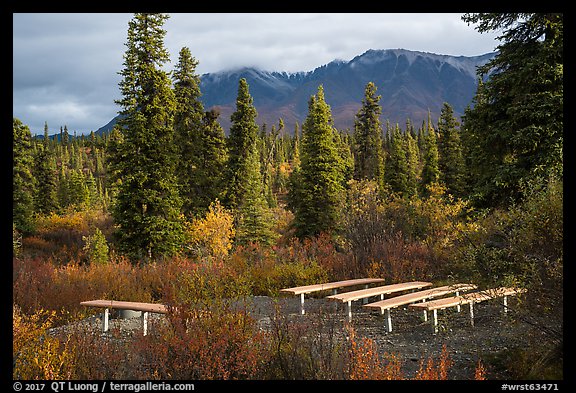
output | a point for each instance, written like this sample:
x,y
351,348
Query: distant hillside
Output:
x,y
410,83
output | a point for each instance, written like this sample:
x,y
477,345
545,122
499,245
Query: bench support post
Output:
x,y
435,320
472,313
144,317
302,304
505,304
458,306
105,315
425,312
388,321
349,309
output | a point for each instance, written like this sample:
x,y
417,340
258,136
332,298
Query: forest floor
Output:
x,y
493,334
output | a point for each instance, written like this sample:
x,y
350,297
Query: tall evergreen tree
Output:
x,y
450,158
396,175
46,199
317,192
147,206
368,150
22,179
430,171
412,163
517,122
243,134
197,134
246,191
214,156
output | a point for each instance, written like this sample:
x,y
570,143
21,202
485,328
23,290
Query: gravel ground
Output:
x,y
412,338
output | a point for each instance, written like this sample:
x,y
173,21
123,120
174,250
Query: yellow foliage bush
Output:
x,y
37,355
211,236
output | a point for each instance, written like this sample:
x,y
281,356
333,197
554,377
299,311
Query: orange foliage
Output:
x,y
430,371
480,372
365,362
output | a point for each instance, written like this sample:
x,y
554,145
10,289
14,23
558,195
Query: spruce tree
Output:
x,y
199,138
515,130
396,175
46,199
412,163
243,135
430,171
317,190
214,156
450,158
187,125
368,152
22,179
147,205
246,192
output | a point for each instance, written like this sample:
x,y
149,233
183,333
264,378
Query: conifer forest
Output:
x,y
170,208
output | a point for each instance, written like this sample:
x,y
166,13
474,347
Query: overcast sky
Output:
x,y
65,66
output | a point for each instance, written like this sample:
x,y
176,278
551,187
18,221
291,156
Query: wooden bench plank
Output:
x,y
381,290
469,298
123,305
475,297
327,286
387,304
349,297
417,296
330,285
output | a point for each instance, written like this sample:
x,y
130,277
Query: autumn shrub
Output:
x,y
397,260
206,342
366,363
310,348
322,250
268,270
402,238
523,246
32,282
435,370
211,236
98,357
36,354
39,284
440,220
62,235
96,247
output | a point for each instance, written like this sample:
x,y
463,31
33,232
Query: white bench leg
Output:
x,y
472,313
349,309
435,320
425,312
105,320
144,317
458,306
505,304
388,320
302,304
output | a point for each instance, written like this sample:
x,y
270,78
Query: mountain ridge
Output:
x,y
411,83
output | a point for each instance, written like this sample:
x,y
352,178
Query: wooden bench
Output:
x,y
145,308
349,297
334,286
470,299
387,304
